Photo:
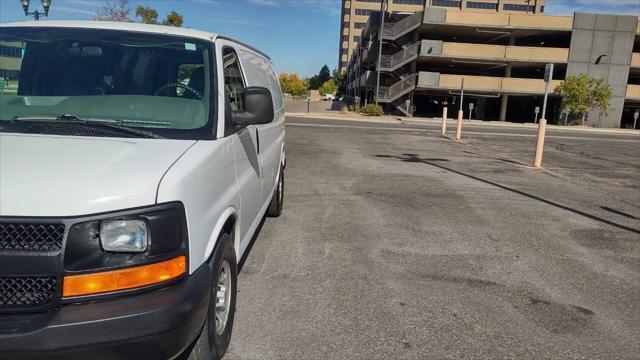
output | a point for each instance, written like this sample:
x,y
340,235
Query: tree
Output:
x,y
173,19
339,79
298,88
314,82
292,84
324,75
329,87
581,94
117,10
149,15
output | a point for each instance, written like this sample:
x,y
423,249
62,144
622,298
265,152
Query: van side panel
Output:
x,y
259,72
205,181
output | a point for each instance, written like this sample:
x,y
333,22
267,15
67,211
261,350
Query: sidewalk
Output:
x,y
450,122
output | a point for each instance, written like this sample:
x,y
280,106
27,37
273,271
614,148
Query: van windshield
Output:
x,y
157,83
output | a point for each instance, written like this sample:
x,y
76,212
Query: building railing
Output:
x,y
390,93
407,54
397,29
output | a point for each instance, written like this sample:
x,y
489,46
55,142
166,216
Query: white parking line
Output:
x,y
463,132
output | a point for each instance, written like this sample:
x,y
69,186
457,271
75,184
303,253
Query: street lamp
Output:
x,y
36,14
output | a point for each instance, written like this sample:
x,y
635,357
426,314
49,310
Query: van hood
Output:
x,y
46,175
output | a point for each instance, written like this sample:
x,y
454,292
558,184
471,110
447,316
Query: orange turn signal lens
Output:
x,y
102,282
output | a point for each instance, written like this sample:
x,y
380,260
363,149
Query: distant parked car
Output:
x,y
327,97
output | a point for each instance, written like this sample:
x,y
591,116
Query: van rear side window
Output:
x,y
260,73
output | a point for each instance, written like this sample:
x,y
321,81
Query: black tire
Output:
x,y
277,201
211,345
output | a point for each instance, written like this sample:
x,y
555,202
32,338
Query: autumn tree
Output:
x,y
292,84
117,10
329,87
581,94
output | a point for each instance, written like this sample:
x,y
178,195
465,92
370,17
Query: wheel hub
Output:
x,y
222,296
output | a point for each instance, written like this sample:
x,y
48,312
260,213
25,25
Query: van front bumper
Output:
x,y
159,324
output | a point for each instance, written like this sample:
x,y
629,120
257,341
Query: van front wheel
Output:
x,y
216,332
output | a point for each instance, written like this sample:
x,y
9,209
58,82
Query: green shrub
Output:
x,y
372,110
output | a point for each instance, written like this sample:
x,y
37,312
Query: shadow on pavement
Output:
x,y
413,158
619,212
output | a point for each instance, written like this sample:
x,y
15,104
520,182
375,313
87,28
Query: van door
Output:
x,y
259,72
246,146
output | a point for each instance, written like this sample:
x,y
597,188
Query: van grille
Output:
x,y
26,292
31,236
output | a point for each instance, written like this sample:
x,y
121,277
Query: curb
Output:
x,y
437,121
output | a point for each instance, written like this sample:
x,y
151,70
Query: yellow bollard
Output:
x,y
444,121
459,125
542,127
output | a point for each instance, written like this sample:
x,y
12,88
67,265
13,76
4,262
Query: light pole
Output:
x,y
36,14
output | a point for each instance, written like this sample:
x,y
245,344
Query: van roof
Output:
x,y
131,26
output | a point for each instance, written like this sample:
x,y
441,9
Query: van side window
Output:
x,y
259,71
233,84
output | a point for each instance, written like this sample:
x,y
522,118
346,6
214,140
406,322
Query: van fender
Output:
x,y
228,213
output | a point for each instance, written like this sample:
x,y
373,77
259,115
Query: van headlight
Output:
x,y
130,236
116,253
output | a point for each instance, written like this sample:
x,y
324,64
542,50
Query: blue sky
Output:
x,y
300,35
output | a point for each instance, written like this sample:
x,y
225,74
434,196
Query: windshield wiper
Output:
x,y
113,124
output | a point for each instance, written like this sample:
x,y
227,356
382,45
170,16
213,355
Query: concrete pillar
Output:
x,y
537,159
443,130
459,125
505,98
503,107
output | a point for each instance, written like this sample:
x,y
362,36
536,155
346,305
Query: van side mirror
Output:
x,y
258,107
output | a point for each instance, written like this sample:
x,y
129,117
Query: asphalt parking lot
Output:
x,y
398,244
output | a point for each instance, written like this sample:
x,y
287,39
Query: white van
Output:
x,y
136,163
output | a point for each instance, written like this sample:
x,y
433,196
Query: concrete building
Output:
x,y
355,14
501,57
